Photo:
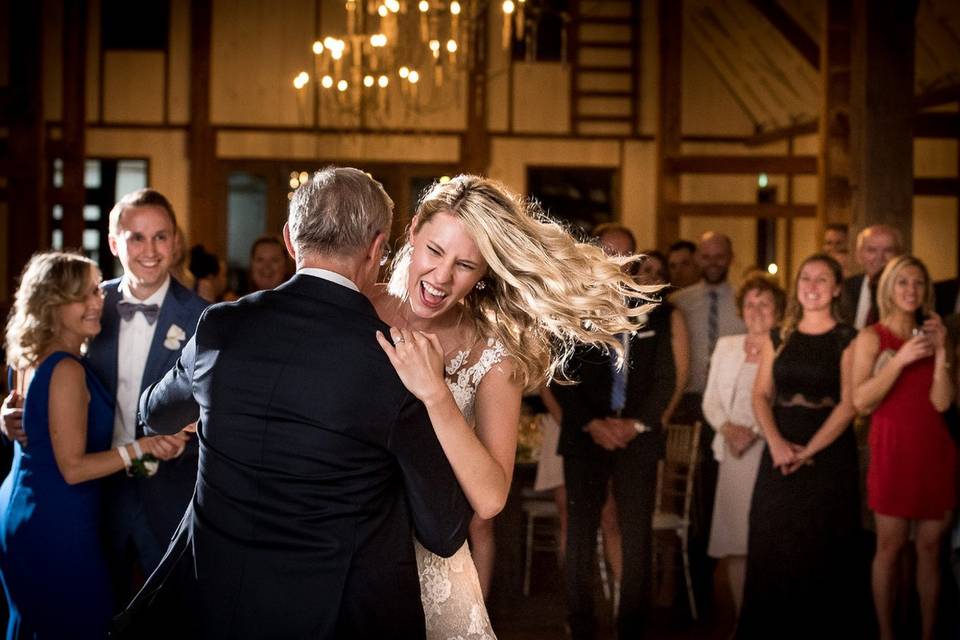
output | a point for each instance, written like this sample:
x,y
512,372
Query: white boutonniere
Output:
x,y
175,338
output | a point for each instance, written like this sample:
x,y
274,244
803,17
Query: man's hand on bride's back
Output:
x,y
418,360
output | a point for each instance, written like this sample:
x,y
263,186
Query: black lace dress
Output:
x,y
802,554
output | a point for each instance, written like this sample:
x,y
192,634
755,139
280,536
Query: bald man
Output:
x,y
876,246
710,309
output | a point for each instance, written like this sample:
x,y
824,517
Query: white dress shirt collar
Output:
x,y
154,298
331,276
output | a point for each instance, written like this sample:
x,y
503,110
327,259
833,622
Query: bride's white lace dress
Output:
x,y
449,588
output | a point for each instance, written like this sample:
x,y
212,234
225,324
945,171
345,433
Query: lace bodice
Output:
x,y
463,380
453,605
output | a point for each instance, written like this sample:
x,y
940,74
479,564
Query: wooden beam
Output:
x,y
475,142
208,222
833,177
782,133
936,186
669,105
742,210
936,125
938,96
28,169
730,164
72,196
792,32
882,112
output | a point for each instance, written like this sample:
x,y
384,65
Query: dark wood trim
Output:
x,y
101,63
669,121
938,96
72,148
28,168
792,32
605,68
207,193
936,187
133,125
783,133
166,67
730,164
741,210
615,20
936,125
605,44
573,47
592,93
475,141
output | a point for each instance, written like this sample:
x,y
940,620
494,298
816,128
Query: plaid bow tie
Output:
x,y
128,309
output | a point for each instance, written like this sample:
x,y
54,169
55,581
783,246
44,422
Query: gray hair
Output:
x,y
338,211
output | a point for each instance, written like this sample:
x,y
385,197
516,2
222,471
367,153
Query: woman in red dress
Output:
x,y
901,377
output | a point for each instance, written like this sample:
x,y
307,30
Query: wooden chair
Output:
x,y
542,530
675,475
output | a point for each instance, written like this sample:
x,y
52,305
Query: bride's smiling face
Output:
x,y
445,265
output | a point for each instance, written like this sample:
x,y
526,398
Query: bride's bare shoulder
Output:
x,y
382,301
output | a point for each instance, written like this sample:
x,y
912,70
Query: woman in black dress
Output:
x,y
804,519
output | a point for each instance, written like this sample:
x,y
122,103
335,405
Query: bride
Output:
x,y
486,299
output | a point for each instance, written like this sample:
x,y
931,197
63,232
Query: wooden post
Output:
x,y
29,174
669,133
475,141
73,192
882,110
207,214
833,202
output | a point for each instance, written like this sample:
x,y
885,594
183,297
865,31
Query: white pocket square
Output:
x,y
175,337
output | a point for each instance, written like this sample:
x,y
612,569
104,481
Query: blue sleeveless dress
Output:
x,y
53,568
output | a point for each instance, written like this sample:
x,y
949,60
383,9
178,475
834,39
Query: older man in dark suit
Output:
x,y
876,245
317,465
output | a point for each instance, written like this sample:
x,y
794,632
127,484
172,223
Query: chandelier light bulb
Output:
x,y
455,8
424,6
434,45
508,6
403,72
318,47
382,10
336,54
294,183
393,5
303,177
368,81
383,81
327,82
342,85
328,42
413,77
452,46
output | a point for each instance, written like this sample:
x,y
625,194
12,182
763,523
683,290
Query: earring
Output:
x,y
480,286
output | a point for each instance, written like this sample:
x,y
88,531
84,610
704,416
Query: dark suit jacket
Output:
x,y
945,295
849,297
166,495
316,466
651,380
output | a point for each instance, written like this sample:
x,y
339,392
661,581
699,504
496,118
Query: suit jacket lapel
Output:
x,y
106,350
160,358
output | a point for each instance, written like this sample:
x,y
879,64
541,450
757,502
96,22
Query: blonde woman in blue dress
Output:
x,y
486,299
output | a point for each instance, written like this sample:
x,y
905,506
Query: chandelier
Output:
x,y
391,50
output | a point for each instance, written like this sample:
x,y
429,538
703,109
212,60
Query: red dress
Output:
x,y
912,457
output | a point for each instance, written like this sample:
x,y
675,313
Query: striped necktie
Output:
x,y
713,328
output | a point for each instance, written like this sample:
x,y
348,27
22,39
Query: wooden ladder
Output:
x,y
605,79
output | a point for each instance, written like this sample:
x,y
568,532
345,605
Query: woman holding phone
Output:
x,y
901,377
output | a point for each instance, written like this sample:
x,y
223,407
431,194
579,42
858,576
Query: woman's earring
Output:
x,y
480,286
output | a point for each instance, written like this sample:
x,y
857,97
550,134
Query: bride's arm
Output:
x,y
482,460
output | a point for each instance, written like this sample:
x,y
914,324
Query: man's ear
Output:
x,y
289,243
112,242
375,250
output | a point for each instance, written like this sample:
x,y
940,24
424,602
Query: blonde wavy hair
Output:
x,y
50,280
889,276
544,292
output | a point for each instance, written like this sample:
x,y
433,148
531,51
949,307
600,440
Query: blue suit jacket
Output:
x,y
165,496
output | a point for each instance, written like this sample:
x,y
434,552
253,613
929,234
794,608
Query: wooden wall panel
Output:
x,y
329,147
133,86
934,222
52,59
541,96
178,90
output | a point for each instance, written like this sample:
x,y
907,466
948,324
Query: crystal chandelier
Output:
x,y
390,50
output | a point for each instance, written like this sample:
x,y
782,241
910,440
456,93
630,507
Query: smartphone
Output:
x,y
919,318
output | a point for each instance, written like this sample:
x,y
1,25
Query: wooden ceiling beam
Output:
x,y
729,164
791,31
936,125
936,187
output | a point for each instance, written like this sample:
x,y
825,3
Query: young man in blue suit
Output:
x,y
147,318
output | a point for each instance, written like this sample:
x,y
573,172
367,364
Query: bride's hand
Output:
x,y
418,360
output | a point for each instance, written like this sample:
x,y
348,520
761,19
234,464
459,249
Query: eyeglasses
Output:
x,y
385,256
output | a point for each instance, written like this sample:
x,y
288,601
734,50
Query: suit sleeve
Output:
x,y
578,400
658,381
168,406
438,508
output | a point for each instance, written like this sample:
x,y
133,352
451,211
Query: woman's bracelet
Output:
x,y
125,456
